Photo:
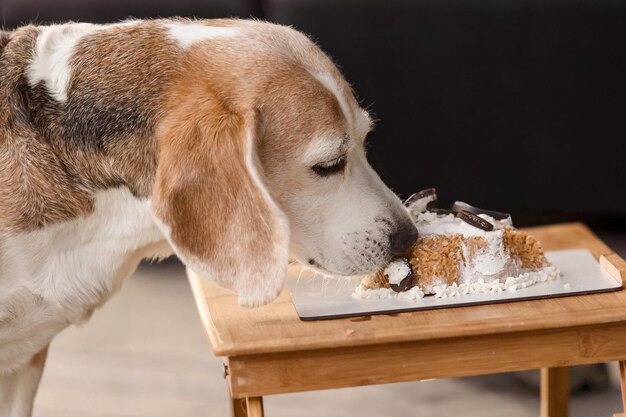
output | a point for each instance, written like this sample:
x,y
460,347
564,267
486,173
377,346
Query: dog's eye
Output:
x,y
329,168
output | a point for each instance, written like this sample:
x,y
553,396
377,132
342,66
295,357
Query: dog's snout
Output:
x,y
403,238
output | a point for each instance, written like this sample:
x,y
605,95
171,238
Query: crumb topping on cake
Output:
x,y
525,248
436,260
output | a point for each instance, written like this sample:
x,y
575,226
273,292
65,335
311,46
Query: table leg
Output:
x,y
238,407
255,406
554,392
246,407
622,381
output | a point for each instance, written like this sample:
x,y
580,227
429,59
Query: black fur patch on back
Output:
x,y
44,113
85,121
115,92
89,119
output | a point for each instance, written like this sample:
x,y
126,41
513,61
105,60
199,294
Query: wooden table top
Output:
x,y
235,330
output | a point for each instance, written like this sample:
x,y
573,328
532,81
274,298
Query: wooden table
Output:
x,y
269,350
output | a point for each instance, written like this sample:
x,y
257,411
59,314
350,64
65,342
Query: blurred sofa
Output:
x,y
513,105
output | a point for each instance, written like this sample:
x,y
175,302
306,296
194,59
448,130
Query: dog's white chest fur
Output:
x,y
56,276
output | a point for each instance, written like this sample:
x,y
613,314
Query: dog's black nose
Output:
x,y
403,238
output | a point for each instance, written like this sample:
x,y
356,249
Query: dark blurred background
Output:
x,y
514,105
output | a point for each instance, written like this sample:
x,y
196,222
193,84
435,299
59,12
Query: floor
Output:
x,y
144,354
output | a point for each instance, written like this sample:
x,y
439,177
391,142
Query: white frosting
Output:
x,y
373,293
396,271
384,293
429,223
524,280
490,263
413,294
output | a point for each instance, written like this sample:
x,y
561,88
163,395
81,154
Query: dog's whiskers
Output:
x,y
299,277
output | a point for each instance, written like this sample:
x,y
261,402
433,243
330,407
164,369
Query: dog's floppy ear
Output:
x,y
211,203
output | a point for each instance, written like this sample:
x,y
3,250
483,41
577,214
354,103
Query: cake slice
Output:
x,y
460,251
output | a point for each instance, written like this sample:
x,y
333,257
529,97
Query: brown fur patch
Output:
x,y
205,194
120,93
202,181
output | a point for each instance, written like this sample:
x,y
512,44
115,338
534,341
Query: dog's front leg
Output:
x,y
18,389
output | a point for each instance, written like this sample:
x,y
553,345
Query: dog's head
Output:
x,y
270,163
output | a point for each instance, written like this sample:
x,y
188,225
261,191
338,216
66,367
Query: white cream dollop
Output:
x,y
396,271
361,292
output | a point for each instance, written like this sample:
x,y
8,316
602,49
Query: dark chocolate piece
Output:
x,y
419,195
498,215
407,282
474,220
426,192
404,285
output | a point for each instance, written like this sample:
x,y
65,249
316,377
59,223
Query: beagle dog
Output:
x,y
233,144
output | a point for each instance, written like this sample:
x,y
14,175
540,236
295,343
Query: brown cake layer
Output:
x,y
524,248
435,260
